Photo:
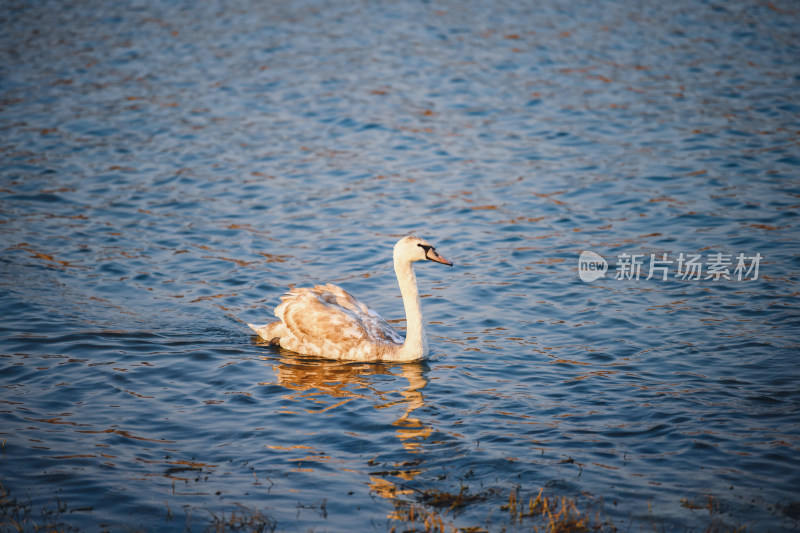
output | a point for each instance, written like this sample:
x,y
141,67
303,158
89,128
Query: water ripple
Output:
x,y
168,170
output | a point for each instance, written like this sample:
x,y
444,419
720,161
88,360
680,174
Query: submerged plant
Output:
x,y
19,515
558,515
551,514
244,519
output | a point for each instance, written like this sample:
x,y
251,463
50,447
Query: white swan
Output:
x,y
328,322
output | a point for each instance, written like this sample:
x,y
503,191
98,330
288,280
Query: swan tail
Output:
x,y
268,332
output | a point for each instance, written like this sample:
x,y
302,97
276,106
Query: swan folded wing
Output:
x,y
326,320
375,326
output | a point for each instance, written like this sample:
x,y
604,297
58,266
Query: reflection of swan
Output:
x,y
329,322
332,380
333,384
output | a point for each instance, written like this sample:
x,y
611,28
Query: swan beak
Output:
x,y
434,256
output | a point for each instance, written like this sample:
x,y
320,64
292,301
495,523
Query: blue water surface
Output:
x,y
168,169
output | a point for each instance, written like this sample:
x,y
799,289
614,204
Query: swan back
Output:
x,y
327,320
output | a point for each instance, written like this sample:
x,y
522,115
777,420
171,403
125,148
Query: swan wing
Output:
x,y
327,320
375,326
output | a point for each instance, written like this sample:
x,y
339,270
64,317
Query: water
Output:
x,y
170,168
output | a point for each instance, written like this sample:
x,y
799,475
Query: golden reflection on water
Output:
x,y
332,384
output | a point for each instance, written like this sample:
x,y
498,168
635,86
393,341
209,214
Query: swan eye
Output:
x,y
426,247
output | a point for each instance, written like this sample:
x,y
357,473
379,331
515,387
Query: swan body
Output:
x,y
329,322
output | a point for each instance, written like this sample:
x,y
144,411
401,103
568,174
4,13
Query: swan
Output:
x,y
327,321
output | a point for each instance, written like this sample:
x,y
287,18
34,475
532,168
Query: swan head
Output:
x,y
417,249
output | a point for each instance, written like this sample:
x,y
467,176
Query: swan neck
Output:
x,y
416,343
